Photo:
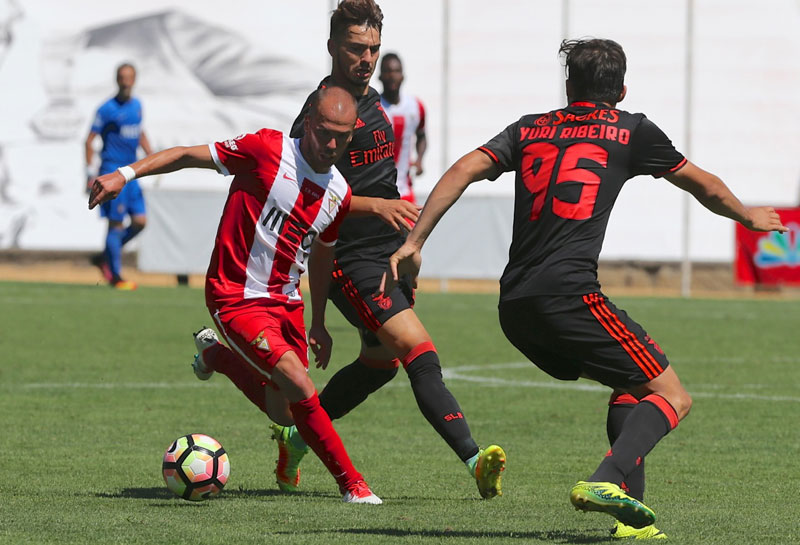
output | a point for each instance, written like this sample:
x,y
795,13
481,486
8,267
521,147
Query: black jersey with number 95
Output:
x,y
571,165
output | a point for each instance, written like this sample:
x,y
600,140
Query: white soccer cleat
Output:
x,y
205,338
359,492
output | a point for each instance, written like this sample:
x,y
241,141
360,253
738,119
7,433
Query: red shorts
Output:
x,y
260,331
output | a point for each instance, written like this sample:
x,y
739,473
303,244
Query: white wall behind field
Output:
x,y
502,63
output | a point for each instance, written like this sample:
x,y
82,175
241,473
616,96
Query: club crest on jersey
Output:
x,y
333,203
261,343
383,301
311,191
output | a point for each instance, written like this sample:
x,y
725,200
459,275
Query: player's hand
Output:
x,y
321,344
764,218
406,260
105,188
418,170
400,214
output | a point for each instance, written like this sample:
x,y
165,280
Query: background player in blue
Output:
x,y
570,165
119,124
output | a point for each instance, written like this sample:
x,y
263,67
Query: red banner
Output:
x,y
769,258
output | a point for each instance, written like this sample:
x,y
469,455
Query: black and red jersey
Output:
x,y
571,165
369,168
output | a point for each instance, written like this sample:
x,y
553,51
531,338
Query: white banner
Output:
x,y
209,71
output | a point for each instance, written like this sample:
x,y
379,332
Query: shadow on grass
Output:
x,y
162,493
556,536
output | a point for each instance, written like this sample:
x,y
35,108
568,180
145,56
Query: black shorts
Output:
x,y
354,289
569,335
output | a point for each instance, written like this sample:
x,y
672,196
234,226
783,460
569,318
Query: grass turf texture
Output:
x,y
95,384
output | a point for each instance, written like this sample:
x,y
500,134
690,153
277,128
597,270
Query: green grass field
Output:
x,y
95,384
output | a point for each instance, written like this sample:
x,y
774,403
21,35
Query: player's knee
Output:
x,y
683,404
421,352
422,364
291,377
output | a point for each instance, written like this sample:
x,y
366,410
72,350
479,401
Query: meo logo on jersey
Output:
x,y
231,144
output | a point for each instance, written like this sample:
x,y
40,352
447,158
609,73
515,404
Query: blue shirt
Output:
x,y
119,124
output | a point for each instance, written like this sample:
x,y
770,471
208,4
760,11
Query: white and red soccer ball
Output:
x,y
196,467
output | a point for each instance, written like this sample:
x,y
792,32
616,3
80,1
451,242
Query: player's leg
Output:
x,y
559,334
314,425
663,402
136,210
632,362
407,338
346,389
213,356
619,407
272,343
391,330
115,211
113,249
352,384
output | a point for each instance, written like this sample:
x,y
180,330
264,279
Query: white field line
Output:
x,y
450,374
457,373
108,385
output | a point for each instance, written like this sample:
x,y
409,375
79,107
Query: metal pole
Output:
x,y
564,36
443,284
686,264
445,85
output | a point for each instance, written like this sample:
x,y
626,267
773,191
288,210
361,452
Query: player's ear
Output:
x,y
331,46
623,93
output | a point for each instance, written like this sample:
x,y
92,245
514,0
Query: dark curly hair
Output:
x,y
355,12
595,68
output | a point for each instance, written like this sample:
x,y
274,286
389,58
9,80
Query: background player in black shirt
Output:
x,y
570,166
391,333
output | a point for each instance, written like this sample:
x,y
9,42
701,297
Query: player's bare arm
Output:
x,y
89,152
109,185
711,192
395,212
320,267
421,147
473,167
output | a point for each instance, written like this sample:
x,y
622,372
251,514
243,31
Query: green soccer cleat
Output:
x,y
488,471
623,531
609,498
287,470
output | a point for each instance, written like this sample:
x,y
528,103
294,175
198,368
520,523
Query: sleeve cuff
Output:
x,y
671,170
326,243
214,155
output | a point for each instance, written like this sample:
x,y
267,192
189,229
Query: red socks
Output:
x,y
317,431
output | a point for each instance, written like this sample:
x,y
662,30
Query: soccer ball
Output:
x,y
195,467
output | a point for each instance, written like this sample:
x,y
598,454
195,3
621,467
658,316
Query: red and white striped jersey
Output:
x,y
408,118
277,206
